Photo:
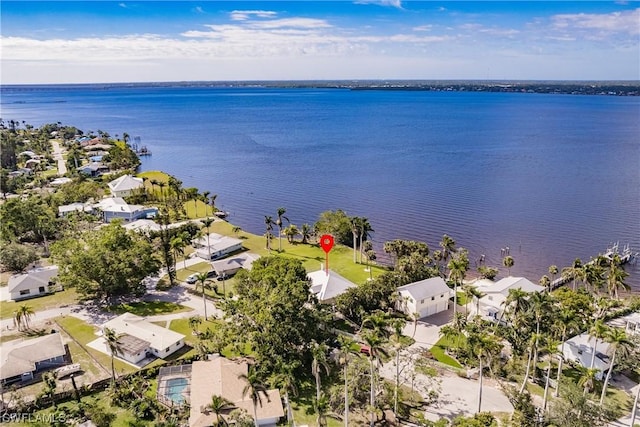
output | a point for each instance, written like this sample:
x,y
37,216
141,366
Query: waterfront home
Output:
x,y
579,350
20,360
491,305
327,287
216,246
143,226
425,297
65,210
630,323
34,283
125,185
230,265
141,340
222,377
116,208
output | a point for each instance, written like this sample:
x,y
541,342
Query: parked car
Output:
x,y
192,279
224,276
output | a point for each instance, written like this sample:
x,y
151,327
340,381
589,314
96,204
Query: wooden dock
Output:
x,y
626,256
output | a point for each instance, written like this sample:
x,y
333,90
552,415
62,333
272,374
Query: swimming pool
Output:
x,y
174,389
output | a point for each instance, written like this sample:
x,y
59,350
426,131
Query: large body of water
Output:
x,y
553,177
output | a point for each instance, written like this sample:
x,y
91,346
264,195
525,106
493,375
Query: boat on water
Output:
x,y
143,151
221,214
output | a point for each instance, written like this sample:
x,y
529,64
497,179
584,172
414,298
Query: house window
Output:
x,y
41,289
24,292
433,298
442,296
166,349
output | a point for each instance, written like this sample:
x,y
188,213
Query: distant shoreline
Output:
x,y
561,87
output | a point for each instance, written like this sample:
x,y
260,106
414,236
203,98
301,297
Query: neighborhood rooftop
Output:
x,y
137,326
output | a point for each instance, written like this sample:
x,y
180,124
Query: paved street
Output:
x,y
57,156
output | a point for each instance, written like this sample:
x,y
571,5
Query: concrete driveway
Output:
x,y
427,331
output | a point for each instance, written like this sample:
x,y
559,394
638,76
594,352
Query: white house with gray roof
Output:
x,y
21,359
425,297
491,305
33,283
125,185
113,208
327,287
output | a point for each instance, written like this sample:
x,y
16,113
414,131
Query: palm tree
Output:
x,y
22,316
213,201
280,213
545,281
587,379
347,347
508,262
553,270
617,340
448,247
615,277
114,345
378,321
178,244
376,351
597,330
573,272
162,184
268,221
364,232
397,325
551,347
207,223
203,278
516,302
218,406
254,388
205,200
319,352
285,379
194,322
305,232
567,320
533,343
482,345
458,267
371,256
539,304
291,231
355,229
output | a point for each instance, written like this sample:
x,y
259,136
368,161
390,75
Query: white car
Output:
x,y
192,279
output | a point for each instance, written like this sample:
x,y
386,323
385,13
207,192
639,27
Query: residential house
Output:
x,y
327,285
116,208
223,377
491,305
579,349
20,360
140,339
125,185
65,210
143,226
216,245
426,297
230,265
630,323
93,169
33,283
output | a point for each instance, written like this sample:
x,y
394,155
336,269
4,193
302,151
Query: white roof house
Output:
x,y
223,377
491,305
579,349
630,323
64,210
143,225
234,263
125,185
162,341
328,286
217,245
20,359
31,284
116,208
425,297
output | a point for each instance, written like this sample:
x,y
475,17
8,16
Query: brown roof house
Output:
x,y
21,359
221,377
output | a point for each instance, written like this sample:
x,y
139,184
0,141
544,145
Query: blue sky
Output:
x,y
133,41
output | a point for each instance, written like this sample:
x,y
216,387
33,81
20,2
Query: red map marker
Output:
x,y
326,243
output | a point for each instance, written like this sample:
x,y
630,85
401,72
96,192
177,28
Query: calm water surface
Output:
x,y
553,177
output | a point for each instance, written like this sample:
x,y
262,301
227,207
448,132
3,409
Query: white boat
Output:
x,y
67,370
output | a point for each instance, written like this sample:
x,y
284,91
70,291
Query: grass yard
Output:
x,y
55,300
84,333
438,351
149,308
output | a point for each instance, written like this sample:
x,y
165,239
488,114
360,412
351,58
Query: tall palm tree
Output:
x,y
566,319
207,223
553,271
533,343
364,232
551,346
545,281
22,316
269,223
508,262
458,267
115,347
482,345
376,351
203,278
305,232
397,325
355,229
616,276
254,388
279,223
347,347
587,379
319,362
219,405
178,245
448,247
162,184
213,201
285,379
517,302
597,331
539,305
205,199
617,340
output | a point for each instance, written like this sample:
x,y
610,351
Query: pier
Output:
x,y
626,256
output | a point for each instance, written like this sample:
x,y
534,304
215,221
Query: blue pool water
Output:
x,y
175,387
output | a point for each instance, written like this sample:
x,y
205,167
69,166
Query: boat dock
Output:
x,y
626,256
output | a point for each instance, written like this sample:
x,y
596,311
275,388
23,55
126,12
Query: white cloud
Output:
x,y
616,22
123,5
198,9
393,3
423,28
243,15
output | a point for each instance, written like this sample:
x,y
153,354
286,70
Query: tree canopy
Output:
x,y
105,263
336,223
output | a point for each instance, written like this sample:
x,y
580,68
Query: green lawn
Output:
x,y
56,300
149,308
438,351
